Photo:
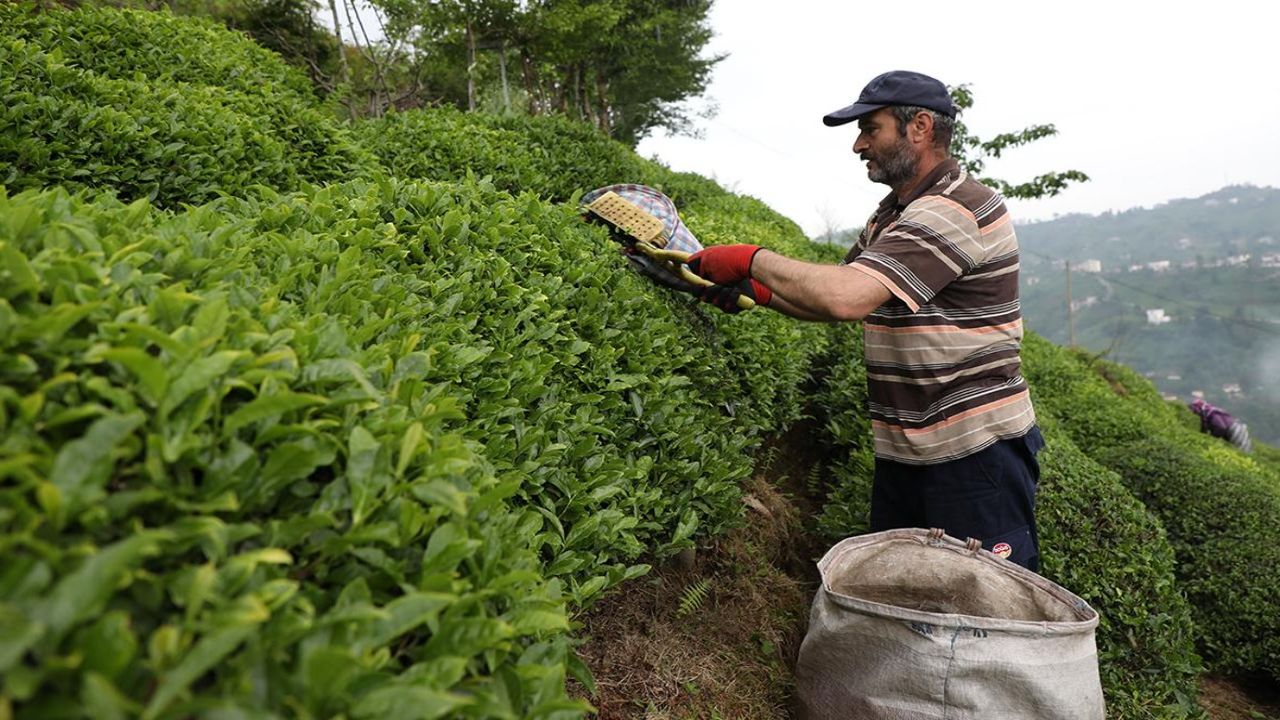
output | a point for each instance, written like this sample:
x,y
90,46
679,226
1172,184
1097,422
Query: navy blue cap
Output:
x,y
896,87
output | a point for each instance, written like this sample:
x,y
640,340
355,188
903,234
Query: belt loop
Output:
x,y
973,545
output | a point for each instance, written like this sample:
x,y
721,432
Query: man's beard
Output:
x,y
896,166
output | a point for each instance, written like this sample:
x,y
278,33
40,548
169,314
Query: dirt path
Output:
x,y
1226,699
716,636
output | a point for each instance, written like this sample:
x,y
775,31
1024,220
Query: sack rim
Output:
x,y
1089,616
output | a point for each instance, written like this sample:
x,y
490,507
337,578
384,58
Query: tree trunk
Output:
x,y
576,80
337,30
378,88
587,112
530,86
502,69
562,91
309,52
471,67
602,97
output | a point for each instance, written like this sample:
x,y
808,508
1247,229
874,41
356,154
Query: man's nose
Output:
x,y
859,145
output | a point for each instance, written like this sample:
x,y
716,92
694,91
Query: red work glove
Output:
x,y
724,264
725,297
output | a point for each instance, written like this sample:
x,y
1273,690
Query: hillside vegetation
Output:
x,y
1219,507
302,419
1218,288
148,105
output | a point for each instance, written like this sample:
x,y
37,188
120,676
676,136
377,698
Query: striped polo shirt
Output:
x,y
943,355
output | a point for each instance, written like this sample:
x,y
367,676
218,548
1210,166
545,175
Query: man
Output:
x,y
935,275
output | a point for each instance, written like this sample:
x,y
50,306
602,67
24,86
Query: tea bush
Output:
x,y
559,160
174,142
446,144
553,157
1266,456
1220,508
156,46
773,355
347,451
840,396
574,155
1104,545
220,494
356,450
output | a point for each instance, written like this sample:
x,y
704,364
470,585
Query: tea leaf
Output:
x,y
269,407
83,465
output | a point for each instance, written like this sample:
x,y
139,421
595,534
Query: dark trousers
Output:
x,y
989,495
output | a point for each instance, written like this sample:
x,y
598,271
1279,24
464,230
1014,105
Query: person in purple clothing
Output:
x,y
1220,424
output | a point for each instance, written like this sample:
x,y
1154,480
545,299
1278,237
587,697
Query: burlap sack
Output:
x,y
916,625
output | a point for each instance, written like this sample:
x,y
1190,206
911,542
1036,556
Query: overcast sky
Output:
x,y
1155,101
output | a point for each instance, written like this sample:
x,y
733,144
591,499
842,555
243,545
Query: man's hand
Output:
x,y
725,297
725,265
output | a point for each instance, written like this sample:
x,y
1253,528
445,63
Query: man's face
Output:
x,y
890,158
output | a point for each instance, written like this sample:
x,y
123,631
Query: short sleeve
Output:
x,y
934,242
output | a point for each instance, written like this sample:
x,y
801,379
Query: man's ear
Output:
x,y
920,129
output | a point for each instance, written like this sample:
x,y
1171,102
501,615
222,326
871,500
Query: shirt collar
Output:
x,y
946,169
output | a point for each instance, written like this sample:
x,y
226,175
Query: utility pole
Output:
x,y
1071,309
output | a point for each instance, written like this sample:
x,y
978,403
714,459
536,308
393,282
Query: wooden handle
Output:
x,y
678,259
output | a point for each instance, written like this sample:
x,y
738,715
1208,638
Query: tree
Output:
x,y
447,26
626,66
650,71
289,28
973,152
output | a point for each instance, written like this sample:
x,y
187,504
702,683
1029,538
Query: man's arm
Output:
x,y
779,304
812,291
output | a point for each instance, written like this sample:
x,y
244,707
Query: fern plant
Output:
x,y
693,597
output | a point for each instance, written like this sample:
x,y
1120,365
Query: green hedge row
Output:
x,y
772,355
235,477
156,47
553,157
559,160
358,450
1096,540
348,451
1105,545
1220,508
840,398
78,123
1266,456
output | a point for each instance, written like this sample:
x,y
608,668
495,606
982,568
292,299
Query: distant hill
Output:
x,y
1204,269
1234,220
